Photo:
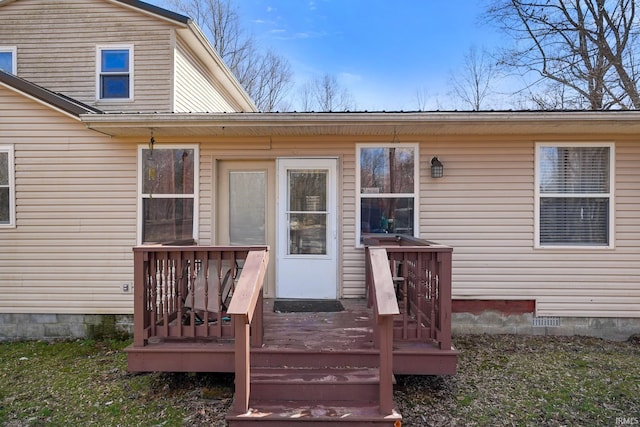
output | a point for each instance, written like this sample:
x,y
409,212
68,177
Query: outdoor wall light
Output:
x,y
437,168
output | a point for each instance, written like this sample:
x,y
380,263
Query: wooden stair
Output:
x,y
293,396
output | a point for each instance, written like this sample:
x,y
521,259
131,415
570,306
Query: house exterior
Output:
x,y
110,146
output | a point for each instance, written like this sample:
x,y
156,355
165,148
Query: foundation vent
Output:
x,y
545,321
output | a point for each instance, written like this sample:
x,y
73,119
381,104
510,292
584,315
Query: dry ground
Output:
x,y
502,381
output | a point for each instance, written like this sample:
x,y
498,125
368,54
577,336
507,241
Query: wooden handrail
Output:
x,y
385,307
246,299
421,271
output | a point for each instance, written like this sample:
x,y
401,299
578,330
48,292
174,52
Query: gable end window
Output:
x,y
7,188
115,72
574,195
168,186
8,60
387,189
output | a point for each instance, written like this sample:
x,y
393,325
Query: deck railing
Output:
x,y
385,307
246,306
421,272
183,292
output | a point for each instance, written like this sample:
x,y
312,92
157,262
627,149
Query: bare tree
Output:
x,y
422,97
473,83
325,94
588,47
265,76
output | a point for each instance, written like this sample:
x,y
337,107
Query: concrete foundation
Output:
x,y
63,326
70,326
492,322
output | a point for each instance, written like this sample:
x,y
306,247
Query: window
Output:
x,y
387,185
7,190
8,59
115,72
168,188
574,195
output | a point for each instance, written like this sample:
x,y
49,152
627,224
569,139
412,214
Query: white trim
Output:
x,y
14,59
416,189
99,49
306,275
196,187
610,195
9,149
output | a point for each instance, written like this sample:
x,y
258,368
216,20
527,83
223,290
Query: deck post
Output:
x,y
444,322
257,323
139,303
242,363
386,364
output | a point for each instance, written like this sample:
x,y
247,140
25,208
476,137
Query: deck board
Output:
x,y
351,329
297,339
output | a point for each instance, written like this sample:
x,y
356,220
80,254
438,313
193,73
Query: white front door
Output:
x,y
306,229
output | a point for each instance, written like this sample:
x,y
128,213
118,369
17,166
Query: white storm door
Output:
x,y
306,229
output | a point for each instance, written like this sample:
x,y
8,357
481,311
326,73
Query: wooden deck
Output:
x,y
200,309
296,339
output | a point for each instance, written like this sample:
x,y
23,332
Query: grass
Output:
x,y
502,380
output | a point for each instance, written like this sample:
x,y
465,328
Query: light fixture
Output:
x,y
152,142
437,168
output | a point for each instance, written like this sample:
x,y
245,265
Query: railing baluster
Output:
x,y
426,298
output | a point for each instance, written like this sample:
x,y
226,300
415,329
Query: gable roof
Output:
x,y
198,42
56,100
156,10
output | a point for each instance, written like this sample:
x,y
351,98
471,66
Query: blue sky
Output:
x,y
383,52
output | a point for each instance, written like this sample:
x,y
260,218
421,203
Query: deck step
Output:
x,y
292,414
343,384
336,395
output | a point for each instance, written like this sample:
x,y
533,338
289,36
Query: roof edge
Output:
x,y
59,101
156,10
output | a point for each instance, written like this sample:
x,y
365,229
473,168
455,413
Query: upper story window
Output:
x,y
574,195
168,189
7,190
387,189
115,72
8,59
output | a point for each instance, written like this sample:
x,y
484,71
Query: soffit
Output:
x,y
365,124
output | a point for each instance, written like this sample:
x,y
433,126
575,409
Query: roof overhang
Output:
x,y
366,123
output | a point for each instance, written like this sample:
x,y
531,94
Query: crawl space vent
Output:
x,y
546,321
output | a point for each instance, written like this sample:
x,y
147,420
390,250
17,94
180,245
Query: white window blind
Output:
x,y
574,195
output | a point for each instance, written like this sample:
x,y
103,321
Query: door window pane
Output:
x,y
307,234
307,213
247,208
307,190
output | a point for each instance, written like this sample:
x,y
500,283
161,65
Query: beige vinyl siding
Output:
x,y
484,208
262,148
194,91
57,41
76,214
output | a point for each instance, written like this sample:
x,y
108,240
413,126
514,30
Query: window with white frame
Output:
x,y
387,189
115,72
168,189
7,189
574,195
8,59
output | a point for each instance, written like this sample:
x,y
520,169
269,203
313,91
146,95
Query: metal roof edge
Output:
x,y
53,99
